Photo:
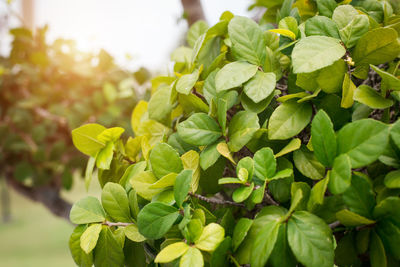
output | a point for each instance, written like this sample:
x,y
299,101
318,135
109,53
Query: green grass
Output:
x,y
35,237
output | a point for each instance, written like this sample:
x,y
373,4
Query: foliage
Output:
x,y
268,147
46,90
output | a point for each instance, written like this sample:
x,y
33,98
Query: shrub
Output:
x,y
268,146
47,90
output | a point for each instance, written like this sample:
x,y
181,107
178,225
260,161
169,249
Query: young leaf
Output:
x,y
212,235
80,257
115,202
195,31
182,186
347,92
209,156
317,193
242,193
155,219
323,138
87,210
171,252
85,138
247,40
392,179
143,183
234,75
264,163
310,240
260,86
159,165
321,25
186,83
288,119
89,237
199,129
326,7
316,52
132,232
192,258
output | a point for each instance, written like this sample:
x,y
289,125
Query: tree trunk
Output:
x,y
193,11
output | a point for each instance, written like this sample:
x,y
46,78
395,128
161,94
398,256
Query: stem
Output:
x,y
216,201
116,223
334,224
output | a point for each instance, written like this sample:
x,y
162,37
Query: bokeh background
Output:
x,y
137,34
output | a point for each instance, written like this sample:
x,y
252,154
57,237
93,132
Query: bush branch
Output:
x,y
217,201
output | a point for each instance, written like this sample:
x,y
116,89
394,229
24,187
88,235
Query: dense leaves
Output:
x,y
277,144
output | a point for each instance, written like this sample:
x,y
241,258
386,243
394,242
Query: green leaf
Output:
x,y
89,172
317,194
377,251
377,46
240,231
392,179
307,164
389,80
310,240
110,135
108,252
305,194
89,237
130,172
191,162
209,156
234,75
155,219
187,82
330,79
87,210
348,92
182,186
359,197
260,86
165,181
281,254
316,52
242,127
289,119
326,7
264,244
85,138
171,252
105,156
219,257
199,129
321,25
242,193
323,138
395,133
160,165
368,96
389,233
351,24
293,145
115,202
388,208
161,104
212,235
349,218
247,40
340,176
132,232
195,31
143,184
80,257
363,141
192,258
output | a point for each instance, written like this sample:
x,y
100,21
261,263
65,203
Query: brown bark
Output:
x,y
193,11
47,195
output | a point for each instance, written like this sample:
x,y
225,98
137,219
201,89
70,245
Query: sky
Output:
x,y
147,30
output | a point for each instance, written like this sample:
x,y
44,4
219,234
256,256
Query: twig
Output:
x,y
269,200
334,224
216,201
116,223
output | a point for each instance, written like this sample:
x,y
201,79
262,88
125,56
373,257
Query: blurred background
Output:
x,y
63,64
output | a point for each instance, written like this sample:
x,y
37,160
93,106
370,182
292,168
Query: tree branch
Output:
x,y
214,200
116,223
47,195
193,11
